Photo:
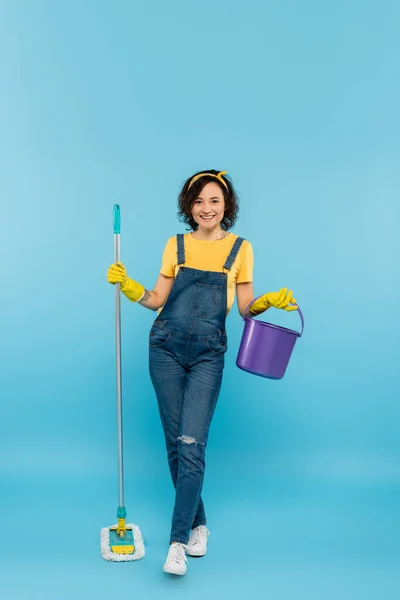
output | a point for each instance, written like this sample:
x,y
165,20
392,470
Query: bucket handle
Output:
x,y
245,317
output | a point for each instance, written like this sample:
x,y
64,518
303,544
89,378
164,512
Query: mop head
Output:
x,y
133,536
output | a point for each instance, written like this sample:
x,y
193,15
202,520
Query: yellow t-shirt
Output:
x,y
211,256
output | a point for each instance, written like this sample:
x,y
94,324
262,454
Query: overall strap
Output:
x,y
180,248
233,253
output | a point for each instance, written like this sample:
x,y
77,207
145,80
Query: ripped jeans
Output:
x,y
186,374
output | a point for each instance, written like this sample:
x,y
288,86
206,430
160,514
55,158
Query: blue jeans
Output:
x,y
187,349
186,372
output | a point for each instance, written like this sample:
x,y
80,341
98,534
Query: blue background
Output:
x,y
105,102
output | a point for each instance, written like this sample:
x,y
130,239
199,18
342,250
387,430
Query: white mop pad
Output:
x,y
106,552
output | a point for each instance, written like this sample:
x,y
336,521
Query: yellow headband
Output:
x,y
219,177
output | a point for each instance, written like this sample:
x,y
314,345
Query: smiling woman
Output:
x,y
200,272
209,207
197,194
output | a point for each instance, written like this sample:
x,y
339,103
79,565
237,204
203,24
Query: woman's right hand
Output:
x,y
116,273
133,290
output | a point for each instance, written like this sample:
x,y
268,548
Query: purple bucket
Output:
x,y
265,349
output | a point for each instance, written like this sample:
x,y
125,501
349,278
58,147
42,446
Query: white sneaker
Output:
x,y
197,544
176,559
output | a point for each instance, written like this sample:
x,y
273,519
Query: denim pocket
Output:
x,y
208,300
158,336
218,343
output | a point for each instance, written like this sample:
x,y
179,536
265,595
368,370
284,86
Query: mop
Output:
x,y
123,541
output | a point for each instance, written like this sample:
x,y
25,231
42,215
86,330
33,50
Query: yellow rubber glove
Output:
x,y
133,290
280,299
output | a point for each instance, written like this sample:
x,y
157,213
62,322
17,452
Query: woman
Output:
x,y
194,292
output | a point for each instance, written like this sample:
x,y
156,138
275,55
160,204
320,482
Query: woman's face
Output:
x,y
209,207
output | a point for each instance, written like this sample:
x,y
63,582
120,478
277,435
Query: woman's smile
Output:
x,y
211,198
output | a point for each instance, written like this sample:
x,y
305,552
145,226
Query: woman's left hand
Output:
x,y
282,299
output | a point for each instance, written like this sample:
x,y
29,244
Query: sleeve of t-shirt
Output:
x,y
169,258
245,272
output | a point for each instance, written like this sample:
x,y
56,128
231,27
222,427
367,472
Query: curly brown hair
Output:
x,y
187,197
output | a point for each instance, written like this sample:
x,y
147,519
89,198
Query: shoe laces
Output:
x,y
177,552
200,534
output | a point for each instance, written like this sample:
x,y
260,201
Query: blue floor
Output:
x,y
284,539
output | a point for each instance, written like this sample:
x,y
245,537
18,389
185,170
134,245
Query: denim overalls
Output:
x,y
187,347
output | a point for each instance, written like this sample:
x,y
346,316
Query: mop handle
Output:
x,y
117,230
